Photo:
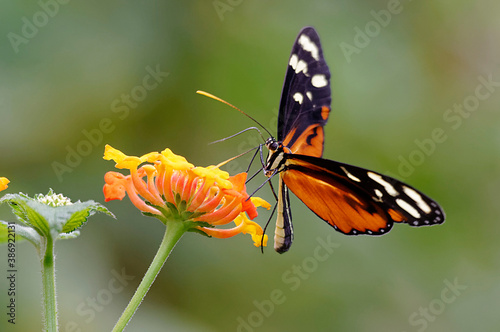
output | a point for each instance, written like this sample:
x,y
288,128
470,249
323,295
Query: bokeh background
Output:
x,y
393,84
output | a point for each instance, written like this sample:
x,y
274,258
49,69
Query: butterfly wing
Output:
x,y
304,110
351,199
355,200
306,97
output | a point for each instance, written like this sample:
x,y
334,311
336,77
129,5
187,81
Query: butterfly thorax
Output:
x,y
276,158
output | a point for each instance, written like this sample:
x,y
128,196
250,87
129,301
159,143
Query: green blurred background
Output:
x,y
400,84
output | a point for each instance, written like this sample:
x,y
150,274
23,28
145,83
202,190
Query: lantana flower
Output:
x,y
185,198
3,183
166,186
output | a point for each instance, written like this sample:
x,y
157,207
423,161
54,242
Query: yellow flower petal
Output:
x,y
257,201
122,160
212,172
247,226
3,183
174,161
150,157
110,153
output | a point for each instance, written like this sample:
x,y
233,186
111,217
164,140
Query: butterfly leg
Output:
x,y
265,227
253,158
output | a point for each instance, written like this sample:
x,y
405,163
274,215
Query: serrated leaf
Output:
x,y
16,209
52,220
28,211
80,213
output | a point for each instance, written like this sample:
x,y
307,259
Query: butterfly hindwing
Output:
x,y
306,97
355,200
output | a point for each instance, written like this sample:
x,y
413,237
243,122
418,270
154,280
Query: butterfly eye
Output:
x,y
271,144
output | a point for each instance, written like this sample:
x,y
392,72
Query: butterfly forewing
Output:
x,y
306,97
355,200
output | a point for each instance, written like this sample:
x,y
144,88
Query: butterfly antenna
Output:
x,y
233,158
209,95
238,133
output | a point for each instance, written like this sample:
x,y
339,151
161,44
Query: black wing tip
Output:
x,y
308,28
310,32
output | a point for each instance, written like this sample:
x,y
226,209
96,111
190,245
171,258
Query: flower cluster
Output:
x,y
53,200
166,186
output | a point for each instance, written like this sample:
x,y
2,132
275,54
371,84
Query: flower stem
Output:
x,y
175,230
49,287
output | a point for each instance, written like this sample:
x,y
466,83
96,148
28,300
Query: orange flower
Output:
x,y
3,183
168,187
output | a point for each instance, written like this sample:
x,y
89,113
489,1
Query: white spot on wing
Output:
x,y
298,97
349,175
408,208
387,186
301,66
418,199
309,95
293,61
308,45
379,196
319,81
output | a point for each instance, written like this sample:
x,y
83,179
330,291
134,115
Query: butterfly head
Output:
x,y
272,144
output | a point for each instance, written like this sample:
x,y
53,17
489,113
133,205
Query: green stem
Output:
x,y
175,230
49,287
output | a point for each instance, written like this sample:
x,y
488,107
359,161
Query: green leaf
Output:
x,y
21,232
51,221
4,232
27,210
79,213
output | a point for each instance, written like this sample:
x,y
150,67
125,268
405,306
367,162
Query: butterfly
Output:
x,y
351,199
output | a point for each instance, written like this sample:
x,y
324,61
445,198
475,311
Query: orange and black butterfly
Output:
x,y
351,199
